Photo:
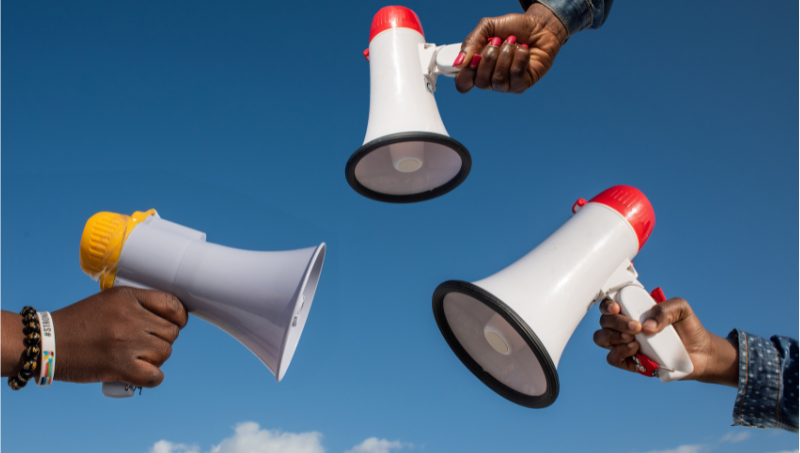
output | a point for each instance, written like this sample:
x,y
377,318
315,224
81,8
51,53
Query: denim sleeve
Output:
x,y
767,396
576,15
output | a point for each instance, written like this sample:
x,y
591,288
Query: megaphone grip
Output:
x,y
644,365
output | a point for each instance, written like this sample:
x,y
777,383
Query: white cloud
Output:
x,y
735,437
683,449
163,446
248,437
375,445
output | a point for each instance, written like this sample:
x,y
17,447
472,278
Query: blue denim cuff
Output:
x,y
576,15
767,395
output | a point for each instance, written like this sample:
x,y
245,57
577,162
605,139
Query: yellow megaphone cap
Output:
x,y
102,240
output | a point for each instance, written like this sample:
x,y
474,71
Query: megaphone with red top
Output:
x,y
407,154
511,328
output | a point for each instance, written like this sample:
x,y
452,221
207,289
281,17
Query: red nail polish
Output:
x,y
496,41
475,60
459,59
524,45
511,39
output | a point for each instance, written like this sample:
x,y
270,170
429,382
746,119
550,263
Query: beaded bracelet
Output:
x,y
33,339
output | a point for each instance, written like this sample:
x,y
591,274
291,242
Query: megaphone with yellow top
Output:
x,y
260,298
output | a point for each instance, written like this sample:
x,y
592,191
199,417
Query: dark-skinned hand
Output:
x,y
121,334
510,53
715,359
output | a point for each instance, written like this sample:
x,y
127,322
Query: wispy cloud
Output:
x,y
733,437
683,449
375,445
730,437
163,446
249,437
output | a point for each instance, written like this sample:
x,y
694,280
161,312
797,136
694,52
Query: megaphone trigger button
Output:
x,y
366,55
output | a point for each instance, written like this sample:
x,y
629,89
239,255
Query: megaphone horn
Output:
x,y
511,328
260,298
407,155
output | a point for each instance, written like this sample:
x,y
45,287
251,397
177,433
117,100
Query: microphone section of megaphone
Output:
x,y
407,154
511,328
262,299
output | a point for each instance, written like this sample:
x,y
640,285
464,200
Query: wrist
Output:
x,y
13,341
723,363
547,18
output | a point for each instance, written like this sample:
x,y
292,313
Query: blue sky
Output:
x,y
237,119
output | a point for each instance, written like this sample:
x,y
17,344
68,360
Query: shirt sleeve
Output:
x,y
767,396
576,15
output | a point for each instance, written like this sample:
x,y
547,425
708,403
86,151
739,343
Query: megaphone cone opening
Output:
x,y
408,167
527,364
304,298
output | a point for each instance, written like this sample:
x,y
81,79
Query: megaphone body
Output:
x,y
407,155
511,328
260,298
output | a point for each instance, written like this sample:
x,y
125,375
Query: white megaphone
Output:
x,y
511,328
407,155
260,298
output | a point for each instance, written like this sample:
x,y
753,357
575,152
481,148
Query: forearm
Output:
x,y
576,15
13,343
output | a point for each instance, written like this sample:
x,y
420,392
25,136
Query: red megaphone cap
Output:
x,y
634,207
394,17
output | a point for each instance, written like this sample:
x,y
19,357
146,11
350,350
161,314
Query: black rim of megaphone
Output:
x,y
352,163
488,299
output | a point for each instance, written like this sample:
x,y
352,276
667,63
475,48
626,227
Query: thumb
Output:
x,y
672,311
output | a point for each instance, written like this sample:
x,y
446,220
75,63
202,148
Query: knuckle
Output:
x,y
153,378
610,358
164,351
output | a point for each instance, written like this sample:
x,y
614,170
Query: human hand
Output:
x,y
121,334
715,359
521,49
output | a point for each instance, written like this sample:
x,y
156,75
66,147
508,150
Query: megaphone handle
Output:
x,y
118,390
644,365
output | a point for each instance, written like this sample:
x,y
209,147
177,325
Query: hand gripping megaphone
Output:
x,y
407,155
260,298
510,329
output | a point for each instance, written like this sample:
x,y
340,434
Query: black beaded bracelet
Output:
x,y
33,339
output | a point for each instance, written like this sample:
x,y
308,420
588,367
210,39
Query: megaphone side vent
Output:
x,y
497,306
394,17
631,203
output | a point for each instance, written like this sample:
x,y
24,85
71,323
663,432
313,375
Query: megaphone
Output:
x,y
510,329
262,299
407,155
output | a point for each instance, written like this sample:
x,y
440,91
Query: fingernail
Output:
x,y
650,324
475,60
625,336
511,39
524,45
459,59
495,41
632,325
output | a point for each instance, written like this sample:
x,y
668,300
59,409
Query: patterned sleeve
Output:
x,y
767,396
576,15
